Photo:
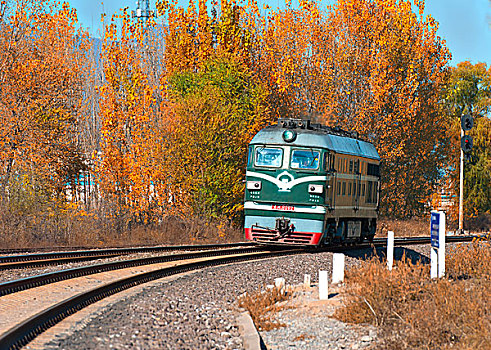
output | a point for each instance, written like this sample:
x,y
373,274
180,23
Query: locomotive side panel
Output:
x,y
354,214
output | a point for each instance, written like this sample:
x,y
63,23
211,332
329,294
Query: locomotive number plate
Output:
x,y
283,207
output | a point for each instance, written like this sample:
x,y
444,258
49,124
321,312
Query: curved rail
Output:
x,y
38,259
52,277
24,332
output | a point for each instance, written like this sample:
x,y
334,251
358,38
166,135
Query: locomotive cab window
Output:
x,y
249,157
269,157
328,161
305,159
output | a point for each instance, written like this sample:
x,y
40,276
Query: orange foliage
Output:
x,y
126,105
373,66
42,65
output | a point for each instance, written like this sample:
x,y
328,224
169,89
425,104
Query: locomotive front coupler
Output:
x,y
283,227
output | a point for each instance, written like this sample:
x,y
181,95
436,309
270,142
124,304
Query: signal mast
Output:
x,y
466,123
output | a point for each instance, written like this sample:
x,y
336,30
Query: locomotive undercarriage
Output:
x,y
336,231
349,230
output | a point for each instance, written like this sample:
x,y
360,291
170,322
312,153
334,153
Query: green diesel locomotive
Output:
x,y
308,184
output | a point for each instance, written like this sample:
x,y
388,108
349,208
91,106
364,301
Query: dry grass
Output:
x,y
420,226
302,337
74,228
415,312
403,228
262,306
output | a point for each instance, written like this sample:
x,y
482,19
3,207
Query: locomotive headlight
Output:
x,y
289,135
316,189
253,185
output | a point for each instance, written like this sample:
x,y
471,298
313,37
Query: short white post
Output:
x,y
441,250
434,263
337,268
323,293
306,281
279,283
390,250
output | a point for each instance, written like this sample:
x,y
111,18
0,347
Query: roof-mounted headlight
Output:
x,y
289,135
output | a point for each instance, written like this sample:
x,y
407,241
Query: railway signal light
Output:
x,y
466,143
466,122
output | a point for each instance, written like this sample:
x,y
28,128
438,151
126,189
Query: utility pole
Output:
x,y
461,196
142,10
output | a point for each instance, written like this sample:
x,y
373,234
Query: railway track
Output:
x,y
12,251
96,282
423,240
64,294
56,258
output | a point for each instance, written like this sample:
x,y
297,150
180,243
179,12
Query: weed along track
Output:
x,y
30,311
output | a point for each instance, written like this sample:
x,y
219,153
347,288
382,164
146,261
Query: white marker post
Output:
x,y
306,281
437,231
390,250
323,293
279,283
337,267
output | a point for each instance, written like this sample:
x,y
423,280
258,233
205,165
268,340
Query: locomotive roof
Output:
x,y
321,138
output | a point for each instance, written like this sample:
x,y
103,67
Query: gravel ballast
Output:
x,y
198,310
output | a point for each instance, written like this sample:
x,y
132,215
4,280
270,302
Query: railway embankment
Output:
x,y
398,309
199,310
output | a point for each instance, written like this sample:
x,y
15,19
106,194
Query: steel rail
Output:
x,y
24,332
54,261
423,240
49,250
56,276
37,259
380,242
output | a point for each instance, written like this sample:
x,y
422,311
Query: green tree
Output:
x,y
217,112
469,91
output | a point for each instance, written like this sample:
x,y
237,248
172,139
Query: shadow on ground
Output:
x,y
380,253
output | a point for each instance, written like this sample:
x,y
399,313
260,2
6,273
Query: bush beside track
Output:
x,y
412,311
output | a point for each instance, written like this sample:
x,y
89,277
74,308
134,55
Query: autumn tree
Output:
x,y
387,71
42,64
195,34
127,107
288,58
372,66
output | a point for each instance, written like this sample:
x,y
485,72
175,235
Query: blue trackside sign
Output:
x,y
435,229
437,232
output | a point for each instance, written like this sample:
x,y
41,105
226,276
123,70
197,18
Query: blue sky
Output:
x,y
464,24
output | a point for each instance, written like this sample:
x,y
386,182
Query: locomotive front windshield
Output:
x,y
269,157
305,159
